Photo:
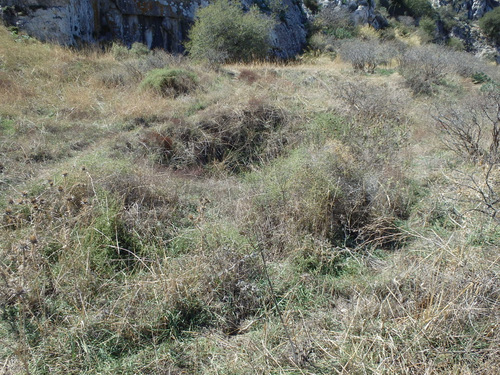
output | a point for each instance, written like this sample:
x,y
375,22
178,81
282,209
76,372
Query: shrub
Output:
x,y
374,104
490,24
424,68
414,8
236,138
323,191
336,22
121,52
428,25
418,8
312,5
460,62
169,82
139,49
322,43
480,77
472,129
318,42
447,17
455,44
368,32
223,32
365,55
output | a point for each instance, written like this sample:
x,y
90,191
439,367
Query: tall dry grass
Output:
x,y
121,252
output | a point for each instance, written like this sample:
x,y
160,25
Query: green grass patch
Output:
x,y
169,82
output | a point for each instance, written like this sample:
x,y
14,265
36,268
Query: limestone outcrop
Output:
x,y
63,21
156,23
474,9
363,12
467,29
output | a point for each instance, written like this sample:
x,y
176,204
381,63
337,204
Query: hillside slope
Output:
x,y
306,218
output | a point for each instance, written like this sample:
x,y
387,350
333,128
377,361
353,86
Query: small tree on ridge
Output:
x,y
224,32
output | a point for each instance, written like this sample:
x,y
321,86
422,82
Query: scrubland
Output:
x,y
332,215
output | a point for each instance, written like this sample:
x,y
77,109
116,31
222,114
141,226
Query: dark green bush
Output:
x,y
480,77
490,24
312,5
169,82
447,17
455,44
414,8
224,32
428,25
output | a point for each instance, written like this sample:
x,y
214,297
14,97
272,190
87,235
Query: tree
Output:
x,y
490,24
224,32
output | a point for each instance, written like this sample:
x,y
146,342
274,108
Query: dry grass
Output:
x,y
132,225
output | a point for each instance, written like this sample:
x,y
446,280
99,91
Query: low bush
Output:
x,y
235,138
169,82
448,17
424,68
428,25
456,44
365,56
324,191
320,42
335,22
480,77
121,52
375,105
472,129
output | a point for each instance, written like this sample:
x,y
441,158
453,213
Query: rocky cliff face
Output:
x,y
156,23
474,9
467,29
363,12
62,21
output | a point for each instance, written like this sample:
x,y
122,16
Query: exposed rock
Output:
x,y
467,30
362,12
289,36
64,21
474,9
156,23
